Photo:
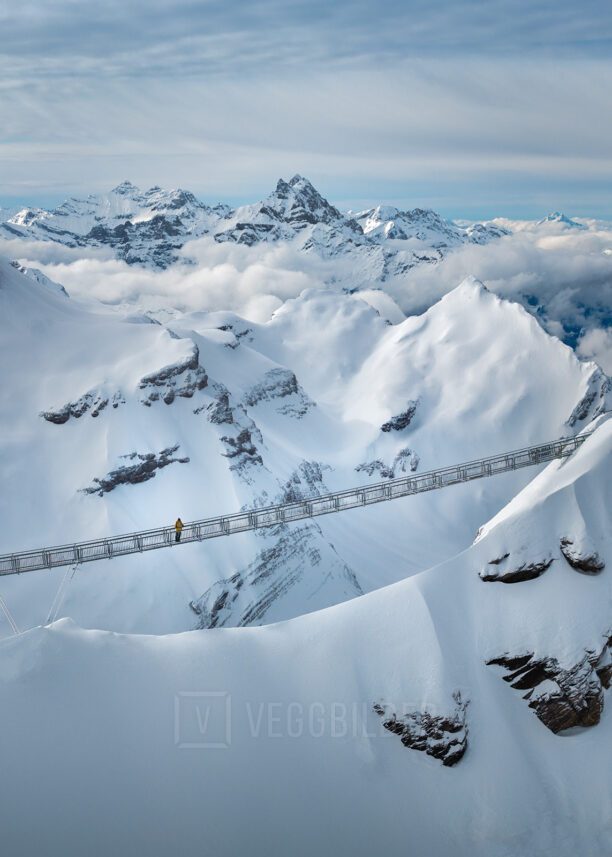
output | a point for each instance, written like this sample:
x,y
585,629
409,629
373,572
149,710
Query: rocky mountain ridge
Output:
x,y
150,228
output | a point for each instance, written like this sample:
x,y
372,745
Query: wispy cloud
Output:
x,y
464,98
149,37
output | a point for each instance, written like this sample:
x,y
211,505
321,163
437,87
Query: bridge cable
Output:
x,y
57,602
9,616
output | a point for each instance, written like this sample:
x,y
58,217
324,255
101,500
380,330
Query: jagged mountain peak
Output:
x,y
126,188
299,202
561,218
25,216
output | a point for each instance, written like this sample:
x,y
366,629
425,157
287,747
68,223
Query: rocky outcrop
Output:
x,y
280,383
596,400
502,570
578,551
92,403
179,379
240,436
288,210
125,238
241,448
240,445
525,571
443,736
401,421
220,411
305,482
561,697
298,556
239,335
295,557
587,561
406,460
250,234
145,467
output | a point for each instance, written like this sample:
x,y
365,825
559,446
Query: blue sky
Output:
x,y
473,108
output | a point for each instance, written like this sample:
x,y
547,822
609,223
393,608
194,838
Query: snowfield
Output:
x,y
99,728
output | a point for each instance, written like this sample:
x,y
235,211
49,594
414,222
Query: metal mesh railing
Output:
x,y
253,519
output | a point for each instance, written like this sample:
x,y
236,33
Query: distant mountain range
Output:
x,y
151,227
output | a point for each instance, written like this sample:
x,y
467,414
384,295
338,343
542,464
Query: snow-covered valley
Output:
x,y
431,673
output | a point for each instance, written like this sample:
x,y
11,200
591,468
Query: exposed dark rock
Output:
x,y
305,482
144,469
407,460
239,335
444,737
603,667
292,207
252,233
589,563
595,400
179,379
376,466
93,403
246,596
154,241
561,698
525,571
241,435
280,383
401,421
499,559
220,411
241,446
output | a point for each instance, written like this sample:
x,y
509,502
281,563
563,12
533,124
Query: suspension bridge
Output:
x,y
269,516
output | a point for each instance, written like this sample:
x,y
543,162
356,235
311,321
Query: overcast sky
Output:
x,y
473,108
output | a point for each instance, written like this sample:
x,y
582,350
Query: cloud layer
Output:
x,y
563,276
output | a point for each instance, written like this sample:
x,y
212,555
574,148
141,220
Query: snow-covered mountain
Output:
x,y
114,424
451,712
423,225
154,251
150,228
142,227
560,219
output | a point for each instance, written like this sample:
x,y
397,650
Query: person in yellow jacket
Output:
x,y
178,529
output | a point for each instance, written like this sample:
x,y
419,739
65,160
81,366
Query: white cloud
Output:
x,y
567,272
251,281
495,133
565,276
596,345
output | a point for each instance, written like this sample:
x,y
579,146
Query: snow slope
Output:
x,y
99,729
227,414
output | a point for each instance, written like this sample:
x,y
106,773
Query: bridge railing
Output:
x,y
257,518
